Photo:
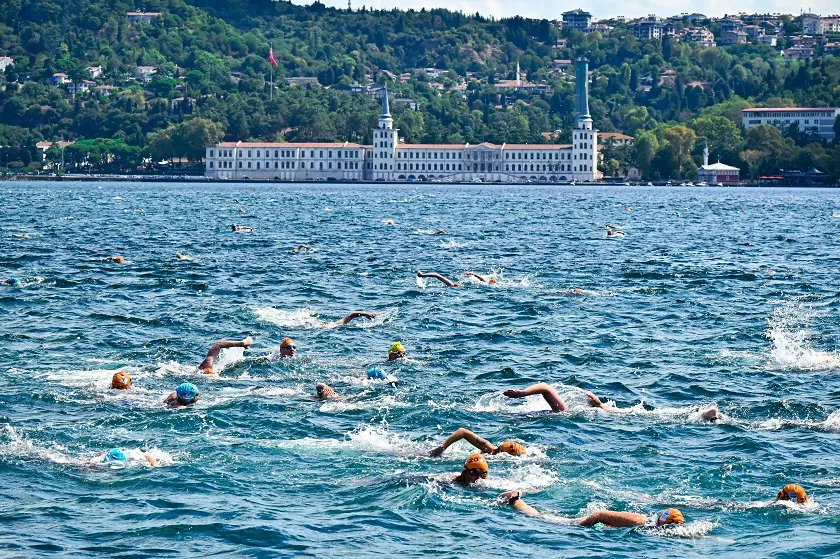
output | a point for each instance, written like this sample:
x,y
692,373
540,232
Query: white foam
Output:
x,y
382,403
298,318
690,530
790,335
421,282
452,243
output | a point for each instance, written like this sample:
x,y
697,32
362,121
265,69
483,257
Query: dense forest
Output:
x,y
212,71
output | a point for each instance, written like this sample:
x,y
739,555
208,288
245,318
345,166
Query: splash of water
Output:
x,y
789,332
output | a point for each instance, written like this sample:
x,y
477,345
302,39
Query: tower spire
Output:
x,y
385,120
582,91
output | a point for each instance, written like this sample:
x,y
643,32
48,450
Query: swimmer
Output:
x,y
483,445
490,279
13,281
445,281
241,229
440,232
792,492
325,392
347,319
117,259
20,235
613,231
611,518
475,468
121,381
301,248
185,394
556,402
207,365
396,351
287,348
376,373
117,455
181,256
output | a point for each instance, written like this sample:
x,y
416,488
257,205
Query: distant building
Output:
x,y
699,35
831,25
75,88
717,173
771,40
832,49
5,62
142,17
812,24
577,19
650,28
105,90
730,24
733,38
303,82
562,65
95,71
59,79
42,148
818,121
753,31
798,53
615,138
144,73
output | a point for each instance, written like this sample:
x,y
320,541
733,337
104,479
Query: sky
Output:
x,y
600,9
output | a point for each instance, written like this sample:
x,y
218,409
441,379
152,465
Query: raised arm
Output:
x,y
551,396
213,352
611,518
445,281
514,499
476,276
595,402
481,444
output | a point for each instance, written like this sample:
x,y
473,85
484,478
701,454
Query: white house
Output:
x,y
5,62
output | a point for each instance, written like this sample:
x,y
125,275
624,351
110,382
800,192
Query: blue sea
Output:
x,y
713,297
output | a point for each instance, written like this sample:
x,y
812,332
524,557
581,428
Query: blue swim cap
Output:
x,y
376,372
114,455
14,281
186,392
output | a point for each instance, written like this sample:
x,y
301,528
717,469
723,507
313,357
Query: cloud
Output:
x,y
601,9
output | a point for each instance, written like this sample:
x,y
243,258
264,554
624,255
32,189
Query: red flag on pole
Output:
x,y
271,57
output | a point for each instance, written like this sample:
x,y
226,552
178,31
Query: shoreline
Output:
x,y
202,179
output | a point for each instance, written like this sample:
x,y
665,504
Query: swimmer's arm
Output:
x,y
151,459
445,281
551,396
172,400
476,276
353,315
514,499
595,402
481,444
611,518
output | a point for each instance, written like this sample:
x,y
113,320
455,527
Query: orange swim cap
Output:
x,y
209,371
477,462
118,259
670,516
287,342
121,381
493,280
793,493
512,448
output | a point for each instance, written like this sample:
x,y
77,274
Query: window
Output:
x,y
211,164
258,153
211,153
258,164
275,152
249,153
249,164
240,164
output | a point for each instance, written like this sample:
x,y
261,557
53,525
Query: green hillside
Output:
x,y
673,97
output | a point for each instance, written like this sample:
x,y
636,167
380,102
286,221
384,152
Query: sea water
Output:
x,y
726,297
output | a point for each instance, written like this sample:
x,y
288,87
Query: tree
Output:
x,y
679,145
647,144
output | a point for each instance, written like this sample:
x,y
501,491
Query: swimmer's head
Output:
x,y
512,448
397,351
233,227
288,348
492,280
324,391
376,372
793,493
14,281
118,259
208,371
187,393
114,455
121,381
179,256
670,516
474,468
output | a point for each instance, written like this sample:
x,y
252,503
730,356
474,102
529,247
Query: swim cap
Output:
x,y
14,281
493,280
670,516
121,381
186,392
477,462
287,342
118,259
396,347
376,372
208,371
114,455
793,493
512,448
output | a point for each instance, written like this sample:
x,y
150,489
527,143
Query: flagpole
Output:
x,y
271,94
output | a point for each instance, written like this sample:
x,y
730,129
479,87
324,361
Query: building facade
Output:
x,y
577,19
818,121
389,159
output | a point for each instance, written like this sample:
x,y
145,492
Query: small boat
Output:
x,y
650,183
703,183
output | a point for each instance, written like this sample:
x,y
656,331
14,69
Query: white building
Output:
x,y
5,62
816,120
388,159
142,17
717,173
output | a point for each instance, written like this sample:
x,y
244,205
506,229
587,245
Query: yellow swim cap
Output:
x,y
477,462
512,448
793,493
121,381
287,342
396,347
670,516
209,371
